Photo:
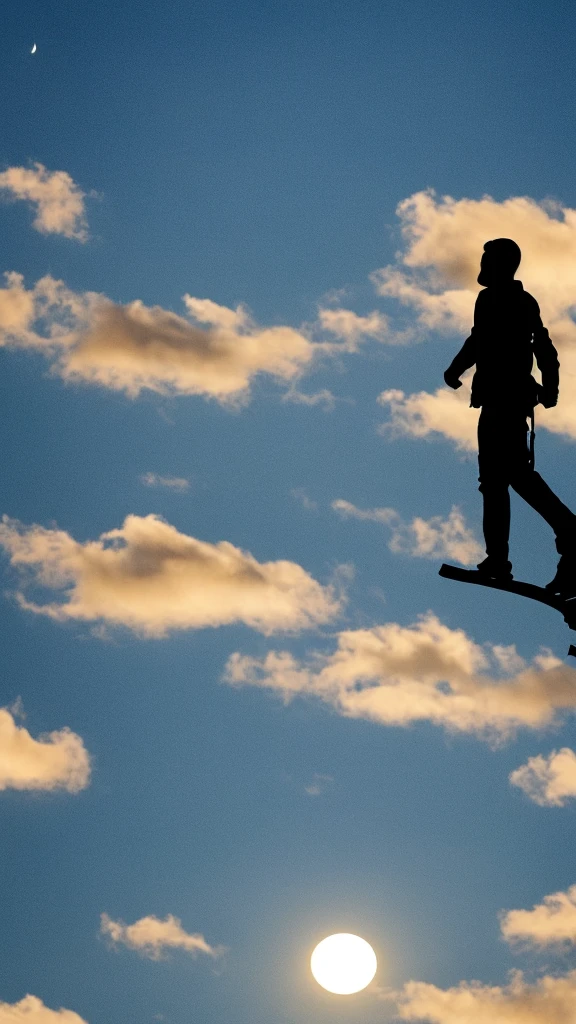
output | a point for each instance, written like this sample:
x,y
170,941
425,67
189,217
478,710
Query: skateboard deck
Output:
x,y
567,608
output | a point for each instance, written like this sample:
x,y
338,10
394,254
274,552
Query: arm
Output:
x,y
547,360
465,358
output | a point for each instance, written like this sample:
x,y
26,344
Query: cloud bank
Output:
x,y
31,1010
150,578
435,280
57,760
422,538
151,937
550,923
548,781
550,1000
397,675
57,199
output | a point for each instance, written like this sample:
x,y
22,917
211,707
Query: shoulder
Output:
x,y
530,303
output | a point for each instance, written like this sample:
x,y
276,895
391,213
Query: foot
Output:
x,y
495,568
564,582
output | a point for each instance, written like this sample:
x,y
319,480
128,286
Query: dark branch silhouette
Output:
x,y
508,334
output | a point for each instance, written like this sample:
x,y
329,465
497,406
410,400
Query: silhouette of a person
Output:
x,y
506,337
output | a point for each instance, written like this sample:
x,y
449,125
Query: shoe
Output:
x,y
495,568
564,582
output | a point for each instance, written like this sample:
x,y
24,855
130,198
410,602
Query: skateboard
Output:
x,y
567,608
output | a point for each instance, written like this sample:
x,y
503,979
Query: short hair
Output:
x,y
506,250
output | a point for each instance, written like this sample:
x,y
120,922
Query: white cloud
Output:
x,y
152,936
49,306
57,760
548,781
435,279
449,311
397,675
174,483
32,1010
351,328
549,923
444,413
213,351
58,200
550,1000
149,577
133,347
422,538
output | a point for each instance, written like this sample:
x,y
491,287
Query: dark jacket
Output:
x,y
507,334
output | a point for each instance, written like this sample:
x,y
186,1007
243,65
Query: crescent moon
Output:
x,y
33,50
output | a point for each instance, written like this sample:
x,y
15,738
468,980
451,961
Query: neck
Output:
x,y
496,282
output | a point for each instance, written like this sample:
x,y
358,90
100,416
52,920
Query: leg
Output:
x,y
494,489
530,486
496,517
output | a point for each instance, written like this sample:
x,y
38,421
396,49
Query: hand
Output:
x,y
547,398
452,381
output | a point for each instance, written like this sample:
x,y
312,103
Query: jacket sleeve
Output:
x,y
547,360
466,357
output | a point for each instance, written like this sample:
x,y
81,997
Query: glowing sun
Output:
x,y
343,964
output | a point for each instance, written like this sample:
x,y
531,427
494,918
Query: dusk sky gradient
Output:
x,y
240,710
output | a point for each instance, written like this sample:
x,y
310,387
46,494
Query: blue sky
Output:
x,y
255,155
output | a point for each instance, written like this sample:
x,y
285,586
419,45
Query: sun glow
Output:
x,y
343,964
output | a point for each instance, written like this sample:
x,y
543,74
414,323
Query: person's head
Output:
x,y
500,261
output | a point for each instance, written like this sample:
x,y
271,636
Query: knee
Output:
x,y
493,485
525,478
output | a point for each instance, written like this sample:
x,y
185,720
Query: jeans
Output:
x,y
503,462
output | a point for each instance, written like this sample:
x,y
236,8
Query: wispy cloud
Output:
x,y
324,397
32,1010
57,199
174,483
548,781
422,538
435,279
56,760
550,923
426,672
299,494
152,937
149,577
319,784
